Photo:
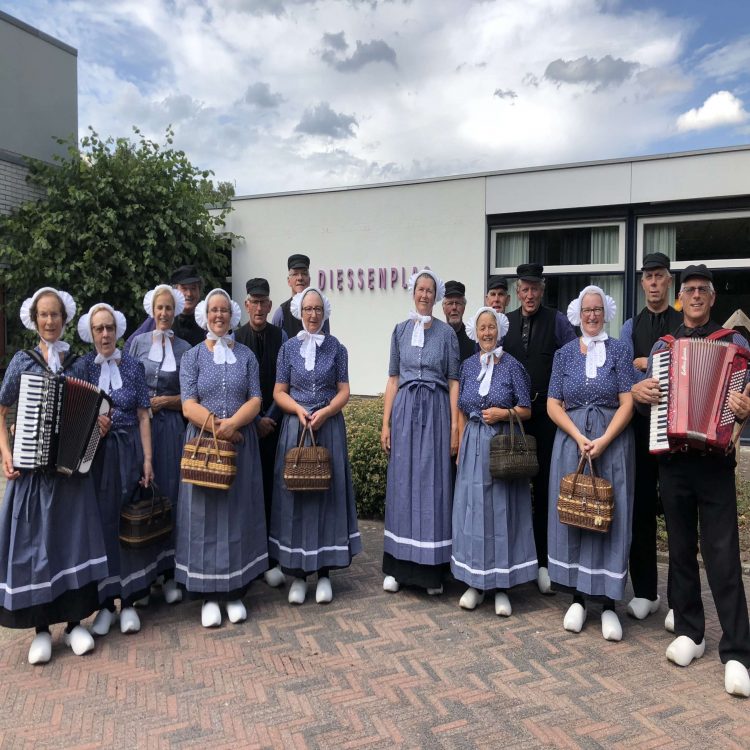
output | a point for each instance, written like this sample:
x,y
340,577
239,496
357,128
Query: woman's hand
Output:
x,y
454,440
318,419
303,415
8,470
596,447
225,430
158,403
385,439
494,414
105,423
148,473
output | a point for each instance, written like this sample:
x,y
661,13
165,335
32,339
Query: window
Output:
x,y
720,240
565,250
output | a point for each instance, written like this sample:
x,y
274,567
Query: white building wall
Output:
x,y
440,224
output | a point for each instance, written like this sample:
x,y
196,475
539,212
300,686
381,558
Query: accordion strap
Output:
x,y
70,357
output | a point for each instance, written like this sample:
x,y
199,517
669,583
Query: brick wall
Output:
x,y
14,189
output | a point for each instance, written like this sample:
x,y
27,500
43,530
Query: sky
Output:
x,y
283,95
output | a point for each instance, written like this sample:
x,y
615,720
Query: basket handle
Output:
x,y
203,429
306,430
514,417
585,457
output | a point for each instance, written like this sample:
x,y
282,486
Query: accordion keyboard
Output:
x,y
658,440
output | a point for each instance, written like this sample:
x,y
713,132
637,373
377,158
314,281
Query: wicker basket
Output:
x,y
586,501
146,518
307,468
208,461
513,456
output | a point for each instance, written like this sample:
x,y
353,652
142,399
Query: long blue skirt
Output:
x,y
221,534
493,538
51,546
419,489
589,561
314,530
167,439
117,469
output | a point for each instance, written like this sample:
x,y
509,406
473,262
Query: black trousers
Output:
x,y
698,492
543,429
646,498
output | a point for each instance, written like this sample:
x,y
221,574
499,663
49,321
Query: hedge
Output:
x,y
364,418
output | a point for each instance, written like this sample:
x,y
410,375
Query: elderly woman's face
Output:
x,y
163,309
424,295
487,331
312,312
218,314
50,317
104,331
592,314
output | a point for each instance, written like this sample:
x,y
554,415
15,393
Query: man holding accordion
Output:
x,y
698,491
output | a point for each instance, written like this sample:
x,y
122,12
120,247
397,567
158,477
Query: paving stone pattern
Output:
x,y
370,670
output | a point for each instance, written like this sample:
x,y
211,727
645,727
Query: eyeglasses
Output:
x,y
694,289
299,274
49,315
256,302
218,310
311,310
454,303
108,327
592,311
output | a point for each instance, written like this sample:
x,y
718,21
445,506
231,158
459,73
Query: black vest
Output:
x,y
185,327
645,336
466,347
290,324
271,336
537,359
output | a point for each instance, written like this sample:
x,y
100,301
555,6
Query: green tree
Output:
x,y
118,216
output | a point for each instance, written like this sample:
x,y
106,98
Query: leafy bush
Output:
x,y
364,418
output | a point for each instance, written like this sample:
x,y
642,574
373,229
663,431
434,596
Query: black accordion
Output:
x,y
56,423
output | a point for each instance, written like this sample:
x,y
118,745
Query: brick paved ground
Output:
x,y
370,670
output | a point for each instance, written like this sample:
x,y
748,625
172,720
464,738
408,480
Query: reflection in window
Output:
x,y
703,240
560,246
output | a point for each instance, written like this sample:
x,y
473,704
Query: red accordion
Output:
x,y
695,378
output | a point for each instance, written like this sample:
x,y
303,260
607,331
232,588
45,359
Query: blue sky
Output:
x,y
280,95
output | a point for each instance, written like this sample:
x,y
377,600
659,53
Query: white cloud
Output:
x,y
463,87
721,108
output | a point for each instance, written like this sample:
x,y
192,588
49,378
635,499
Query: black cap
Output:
x,y
298,261
655,260
185,275
699,270
530,272
258,287
497,282
454,289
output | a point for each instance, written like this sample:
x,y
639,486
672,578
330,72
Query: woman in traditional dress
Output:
x,y
221,534
52,551
493,538
122,463
420,433
313,532
589,400
161,351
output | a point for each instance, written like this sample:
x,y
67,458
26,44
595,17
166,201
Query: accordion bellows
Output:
x,y
307,468
208,461
586,501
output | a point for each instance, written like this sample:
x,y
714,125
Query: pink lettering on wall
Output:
x,y
382,277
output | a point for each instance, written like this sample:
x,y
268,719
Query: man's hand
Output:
x,y
646,392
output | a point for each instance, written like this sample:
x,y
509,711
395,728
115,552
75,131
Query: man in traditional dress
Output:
x,y
454,304
698,491
265,340
298,279
497,293
536,332
640,333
